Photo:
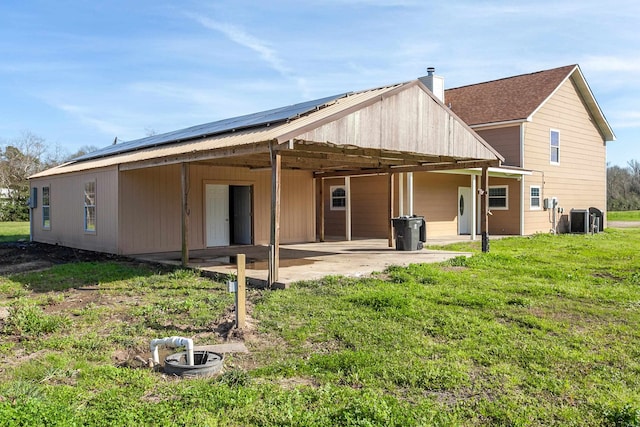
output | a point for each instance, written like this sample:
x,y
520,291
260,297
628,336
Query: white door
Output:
x,y
464,210
217,208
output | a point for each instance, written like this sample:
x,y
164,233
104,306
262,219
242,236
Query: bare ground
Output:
x,y
22,257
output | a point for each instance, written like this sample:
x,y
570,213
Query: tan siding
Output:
x,y
67,211
436,198
506,221
334,221
150,210
297,223
369,210
151,220
506,141
579,181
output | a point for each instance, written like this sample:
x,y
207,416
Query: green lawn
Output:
x,y
14,231
541,331
623,216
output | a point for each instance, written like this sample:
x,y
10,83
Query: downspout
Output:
x,y
522,180
172,342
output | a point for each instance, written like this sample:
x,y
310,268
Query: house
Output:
x,y
552,134
252,180
510,156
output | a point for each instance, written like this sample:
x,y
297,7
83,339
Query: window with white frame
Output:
x,y
534,197
90,206
499,197
338,197
46,207
554,142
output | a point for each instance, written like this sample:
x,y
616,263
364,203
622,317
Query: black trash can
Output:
x,y
410,232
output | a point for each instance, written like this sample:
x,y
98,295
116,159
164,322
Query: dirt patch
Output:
x,y
22,257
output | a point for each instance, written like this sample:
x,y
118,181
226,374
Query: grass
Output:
x,y
541,331
623,216
14,231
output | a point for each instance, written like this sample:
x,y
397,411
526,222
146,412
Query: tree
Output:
x,y
623,187
19,159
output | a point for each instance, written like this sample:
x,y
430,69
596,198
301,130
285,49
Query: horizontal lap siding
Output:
x,y
579,181
436,198
506,141
153,200
506,221
67,211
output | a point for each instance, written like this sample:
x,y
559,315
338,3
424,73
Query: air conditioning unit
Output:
x,y
579,221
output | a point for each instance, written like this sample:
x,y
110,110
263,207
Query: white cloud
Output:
x,y
626,119
269,55
88,117
612,64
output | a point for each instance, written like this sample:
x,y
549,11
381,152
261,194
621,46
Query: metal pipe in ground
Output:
x,y
241,307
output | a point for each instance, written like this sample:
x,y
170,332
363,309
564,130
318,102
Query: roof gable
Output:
x,y
509,99
518,98
390,115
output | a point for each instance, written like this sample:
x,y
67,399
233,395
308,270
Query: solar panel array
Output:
x,y
263,118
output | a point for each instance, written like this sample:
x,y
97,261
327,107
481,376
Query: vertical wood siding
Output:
x,y
67,211
579,181
150,207
408,121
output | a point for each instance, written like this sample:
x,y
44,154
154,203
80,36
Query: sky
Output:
x,y
83,72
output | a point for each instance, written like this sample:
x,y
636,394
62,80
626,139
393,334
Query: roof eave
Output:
x,y
588,97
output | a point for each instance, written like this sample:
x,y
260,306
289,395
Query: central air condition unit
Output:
x,y
579,221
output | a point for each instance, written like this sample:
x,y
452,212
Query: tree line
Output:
x,y
29,154
623,187
20,158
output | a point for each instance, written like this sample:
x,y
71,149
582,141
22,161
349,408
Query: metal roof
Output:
x,y
263,118
173,151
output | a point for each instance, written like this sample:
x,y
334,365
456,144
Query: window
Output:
x,y
338,198
498,197
90,206
534,197
555,146
46,208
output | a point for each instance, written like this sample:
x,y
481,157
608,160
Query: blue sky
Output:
x,y
81,72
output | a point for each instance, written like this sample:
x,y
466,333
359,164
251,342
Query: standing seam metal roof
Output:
x,y
263,118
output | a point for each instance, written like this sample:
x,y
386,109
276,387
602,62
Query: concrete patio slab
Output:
x,y
308,261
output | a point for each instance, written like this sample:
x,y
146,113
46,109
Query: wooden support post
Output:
x,y
474,207
484,208
390,211
185,213
241,294
347,210
274,246
322,209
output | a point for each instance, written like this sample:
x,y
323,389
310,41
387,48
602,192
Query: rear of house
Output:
x,y
254,180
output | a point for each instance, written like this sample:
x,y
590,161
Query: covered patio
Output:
x,y
308,261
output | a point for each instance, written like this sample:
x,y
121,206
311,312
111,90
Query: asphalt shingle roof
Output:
x,y
511,98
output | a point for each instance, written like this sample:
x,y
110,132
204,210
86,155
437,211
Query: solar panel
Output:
x,y
277,115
